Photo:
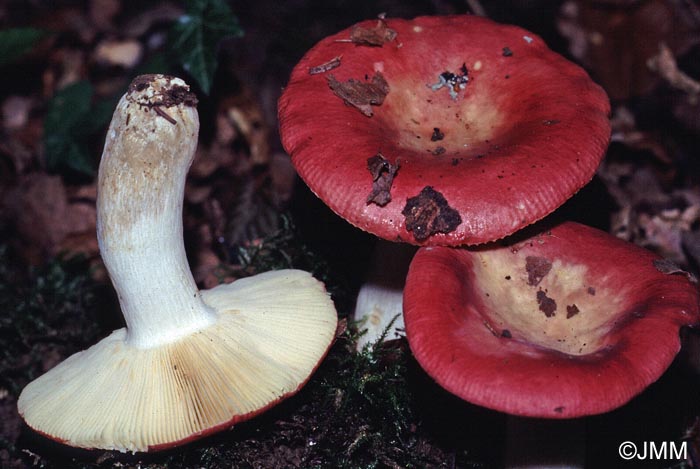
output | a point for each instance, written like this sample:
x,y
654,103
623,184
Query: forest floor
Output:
x,y
63,64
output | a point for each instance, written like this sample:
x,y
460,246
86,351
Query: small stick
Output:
x,y
164,115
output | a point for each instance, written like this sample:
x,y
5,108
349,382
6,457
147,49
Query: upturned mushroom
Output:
x,y
451,130
565,323
188,362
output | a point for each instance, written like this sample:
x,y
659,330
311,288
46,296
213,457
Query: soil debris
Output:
x,y
383,173
437,135
547,305
537,268
429,213
326,66
173,96
571,311
362,95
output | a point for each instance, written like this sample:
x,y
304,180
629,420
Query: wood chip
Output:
x,y
326,66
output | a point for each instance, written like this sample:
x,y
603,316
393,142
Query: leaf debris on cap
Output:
x,y
326,66
668,267
376,36
361,95
383,173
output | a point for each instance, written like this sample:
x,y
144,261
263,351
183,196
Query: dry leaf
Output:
x,y
51,218
668,267
125,54
362,95
615,40
375,36
383,174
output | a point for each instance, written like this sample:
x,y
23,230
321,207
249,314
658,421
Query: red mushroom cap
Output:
x,y
489,129
566,323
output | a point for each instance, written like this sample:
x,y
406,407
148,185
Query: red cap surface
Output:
x,y
489,129
567,323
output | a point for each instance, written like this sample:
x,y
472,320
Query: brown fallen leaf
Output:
x,y
376,36
362,95
103,12
614,40
383,173
50,218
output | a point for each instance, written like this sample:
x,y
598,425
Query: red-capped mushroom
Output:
x,y
566,323
442,130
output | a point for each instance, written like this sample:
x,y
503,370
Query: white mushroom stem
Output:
x,y
189,362
139,212
380,299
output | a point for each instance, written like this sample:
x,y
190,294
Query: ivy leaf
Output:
x,y
196,35
71,119
15,42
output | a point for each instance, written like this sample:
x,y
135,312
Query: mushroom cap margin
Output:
x,y
463,346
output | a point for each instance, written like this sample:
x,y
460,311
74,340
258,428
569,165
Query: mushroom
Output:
x,y
457,131
189,362
447,130
378,308
566,323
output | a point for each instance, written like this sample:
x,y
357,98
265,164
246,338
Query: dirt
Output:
x,y
437,135
429,213
547,305
571,311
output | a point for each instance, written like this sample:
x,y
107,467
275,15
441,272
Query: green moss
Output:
x,y
359,410
285,249
48,313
